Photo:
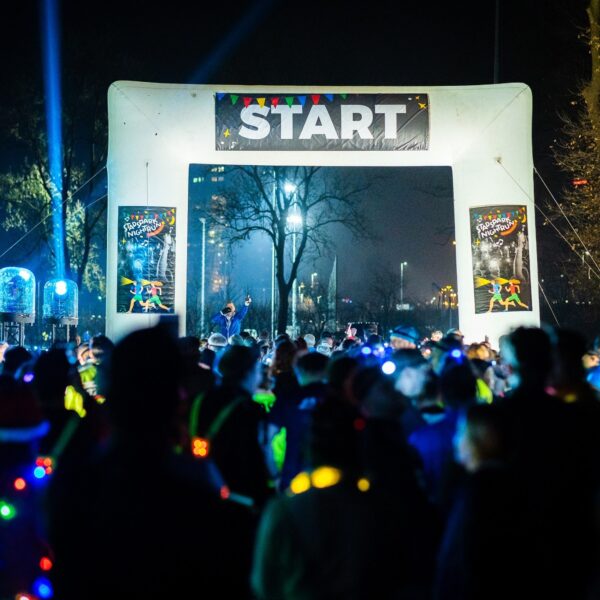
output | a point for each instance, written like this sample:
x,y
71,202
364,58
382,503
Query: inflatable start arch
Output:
x,y
482,132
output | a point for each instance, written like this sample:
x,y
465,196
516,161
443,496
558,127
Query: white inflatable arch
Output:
x,y
482,132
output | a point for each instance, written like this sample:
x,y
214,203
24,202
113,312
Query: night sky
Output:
x,y
320,43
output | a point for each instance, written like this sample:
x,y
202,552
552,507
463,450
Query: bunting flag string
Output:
x,y
289,100
514,214
150,214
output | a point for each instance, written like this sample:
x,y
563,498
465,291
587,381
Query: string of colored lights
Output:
x,y
41,587
43,468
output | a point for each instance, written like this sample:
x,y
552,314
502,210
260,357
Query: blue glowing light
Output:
x,y
388,367
60,287
231,40
456,353
366,350
28,377
25,274
39,472
43,588
51,60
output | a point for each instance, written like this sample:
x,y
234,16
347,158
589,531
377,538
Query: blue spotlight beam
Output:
x,y
51,62
234,38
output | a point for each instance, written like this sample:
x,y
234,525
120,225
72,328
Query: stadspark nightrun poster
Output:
x,y
146,259
500,254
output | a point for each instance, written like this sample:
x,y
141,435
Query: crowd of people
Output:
x,y
350,466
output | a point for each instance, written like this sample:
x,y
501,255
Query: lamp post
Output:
x,y
402,265
203,277
273,203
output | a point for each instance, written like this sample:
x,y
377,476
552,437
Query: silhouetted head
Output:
x,y
362,381
189,346
143,384
239,366
281,337
333,437
374,340
458,384
283,359
101,347
528,353
310,340
480,437
411,372
339,373
311,368
14,358
50,378
301,344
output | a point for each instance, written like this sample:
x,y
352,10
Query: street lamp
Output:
x,y
402,265
203,277
273,205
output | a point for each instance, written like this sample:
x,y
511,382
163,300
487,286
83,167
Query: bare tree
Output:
x,y
283,203
384,287
576,154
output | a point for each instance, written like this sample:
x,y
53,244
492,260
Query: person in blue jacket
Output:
x,y
229,320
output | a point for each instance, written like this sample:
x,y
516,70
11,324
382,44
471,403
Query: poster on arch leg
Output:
x,y
500,258
146,259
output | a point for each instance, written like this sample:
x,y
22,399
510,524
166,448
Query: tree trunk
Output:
x,y
282,311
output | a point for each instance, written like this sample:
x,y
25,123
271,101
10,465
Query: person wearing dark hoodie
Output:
x,y
234,425
139,520
311,372
556,501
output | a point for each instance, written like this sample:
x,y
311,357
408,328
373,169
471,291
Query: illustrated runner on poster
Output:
x,y
154,299
137,291
514,289
497,296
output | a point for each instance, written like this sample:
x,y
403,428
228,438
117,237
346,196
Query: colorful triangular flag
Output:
x,y
220,95
302,100
261,101
316,98
344,96
329,97
275,101
234,98
289,100
247,101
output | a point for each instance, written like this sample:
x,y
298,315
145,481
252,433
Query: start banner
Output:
x,y
316,122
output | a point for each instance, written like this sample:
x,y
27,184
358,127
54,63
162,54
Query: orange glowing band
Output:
x,y
200,447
